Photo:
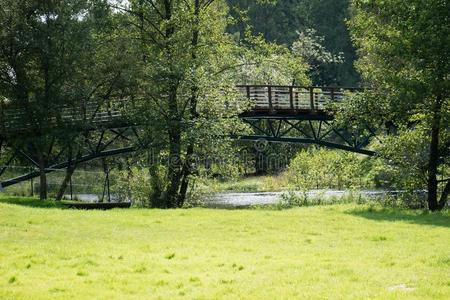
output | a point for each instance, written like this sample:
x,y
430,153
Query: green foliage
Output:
x,y
186,99
321,168
55,55
293,199
263,62
403,200
404,50
246,184
397,169
407,153
309,46
280,22
135,184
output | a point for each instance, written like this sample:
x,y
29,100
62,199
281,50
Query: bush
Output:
x,y
139,186
321,168
296,199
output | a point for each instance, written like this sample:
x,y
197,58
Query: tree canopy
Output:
x,y
282,21
404,50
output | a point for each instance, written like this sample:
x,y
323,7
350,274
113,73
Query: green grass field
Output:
x,y
341,251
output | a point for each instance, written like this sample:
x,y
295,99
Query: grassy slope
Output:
x,y
334,252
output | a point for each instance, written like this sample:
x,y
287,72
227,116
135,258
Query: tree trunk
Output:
x,y
261,163
42,178
187,167
174,170
444,195
174,131
433,159
69,172
187,171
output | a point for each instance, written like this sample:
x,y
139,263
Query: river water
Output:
x,y
241,199
266,198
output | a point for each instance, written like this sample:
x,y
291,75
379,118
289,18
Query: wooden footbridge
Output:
x,y
280,114
295,114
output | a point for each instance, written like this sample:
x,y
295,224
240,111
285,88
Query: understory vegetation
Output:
x,y
310,169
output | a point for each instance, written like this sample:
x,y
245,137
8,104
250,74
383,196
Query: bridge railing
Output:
x,y
293,98
267,99
91,113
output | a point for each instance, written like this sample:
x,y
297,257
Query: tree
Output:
x,y
309,46
262,62
52,56
279,21
404,49
187,103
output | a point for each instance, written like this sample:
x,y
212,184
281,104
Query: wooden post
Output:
x,y
269,88
311,98
107,186
291,97
32,184
248,91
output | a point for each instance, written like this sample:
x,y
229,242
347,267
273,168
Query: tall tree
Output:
x,y
404,49
51,58
188,104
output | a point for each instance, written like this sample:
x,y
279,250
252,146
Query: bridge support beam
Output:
x,y
110,142
293,140
315,131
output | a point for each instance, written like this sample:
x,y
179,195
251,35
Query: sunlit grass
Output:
x,y
341,251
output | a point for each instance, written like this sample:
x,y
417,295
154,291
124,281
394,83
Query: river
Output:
x,y
241,199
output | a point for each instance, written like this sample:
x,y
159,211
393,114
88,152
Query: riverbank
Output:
x,y
305,198
340,251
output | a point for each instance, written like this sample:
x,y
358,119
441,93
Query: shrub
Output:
x,y
296,199
320,168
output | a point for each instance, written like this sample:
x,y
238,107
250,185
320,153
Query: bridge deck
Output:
x,y
269,101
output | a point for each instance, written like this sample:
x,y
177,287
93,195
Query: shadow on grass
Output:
x,y
30,202
421,217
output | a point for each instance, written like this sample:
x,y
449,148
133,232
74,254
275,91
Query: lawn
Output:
x,y
341,251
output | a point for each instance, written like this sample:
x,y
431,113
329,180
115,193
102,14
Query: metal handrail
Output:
x,y
293,98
